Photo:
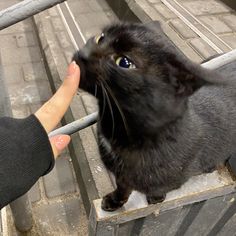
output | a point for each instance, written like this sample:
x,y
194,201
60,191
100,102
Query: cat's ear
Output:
x,y
186,77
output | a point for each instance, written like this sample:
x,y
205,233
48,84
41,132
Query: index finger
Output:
x,y
53,110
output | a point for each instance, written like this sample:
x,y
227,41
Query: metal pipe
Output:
x,y
76,125
23,10
220,60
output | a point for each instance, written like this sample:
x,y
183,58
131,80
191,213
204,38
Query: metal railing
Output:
x,y
23,10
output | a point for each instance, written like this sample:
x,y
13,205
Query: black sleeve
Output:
x,y
25,155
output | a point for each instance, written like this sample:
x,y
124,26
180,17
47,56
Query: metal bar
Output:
x,y
76,125
221,60
23,10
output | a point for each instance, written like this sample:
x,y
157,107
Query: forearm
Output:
x,y
25,155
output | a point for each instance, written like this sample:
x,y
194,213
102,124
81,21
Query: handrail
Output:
x,y
23,10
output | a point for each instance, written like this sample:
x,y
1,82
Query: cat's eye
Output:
x,y
125,62
99,38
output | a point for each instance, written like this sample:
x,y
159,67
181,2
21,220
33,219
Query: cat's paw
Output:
x,y
155,199
109,203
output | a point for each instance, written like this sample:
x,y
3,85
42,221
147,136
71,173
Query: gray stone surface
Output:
x,y
230,39
7,41
215,24
20,111
182,29
53,11
201,47
26,40
230,20
154,1
13,74
57,24
201,7
60,180
98,13
22,55
34,193
60,218
164,11
23,94
64,39
95,19
34,71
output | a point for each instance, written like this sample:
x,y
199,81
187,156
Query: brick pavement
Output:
x,y
212,18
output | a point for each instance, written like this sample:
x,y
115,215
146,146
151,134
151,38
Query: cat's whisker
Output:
x,y
118,107
95,91
111,110
103,101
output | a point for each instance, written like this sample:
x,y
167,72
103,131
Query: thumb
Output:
x,y
59,143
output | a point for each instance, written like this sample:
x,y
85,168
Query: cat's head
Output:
x,y
136,65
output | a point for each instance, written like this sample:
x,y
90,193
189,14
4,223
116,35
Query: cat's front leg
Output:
x,y
117,198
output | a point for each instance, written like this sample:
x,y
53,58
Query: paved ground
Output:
x,y
199,28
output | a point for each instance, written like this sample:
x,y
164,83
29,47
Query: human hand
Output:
x,y
54,109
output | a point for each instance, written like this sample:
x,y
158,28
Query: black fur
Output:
x,y
160,123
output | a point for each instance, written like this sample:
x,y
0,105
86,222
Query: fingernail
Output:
x,y
61,141
72,68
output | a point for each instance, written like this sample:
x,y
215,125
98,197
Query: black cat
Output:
x,y
162,118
